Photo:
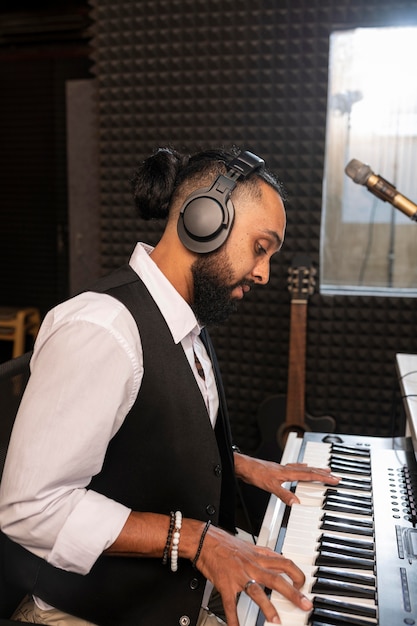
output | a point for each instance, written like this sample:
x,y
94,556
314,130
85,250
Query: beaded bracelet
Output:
x,y
200,545
169,538
176,541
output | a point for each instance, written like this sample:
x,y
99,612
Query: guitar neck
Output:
x,y
295,409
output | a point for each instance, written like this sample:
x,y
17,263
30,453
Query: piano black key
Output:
x,y
363,508
340,588
369,532
353,497
355,485
323,617
341,560
344,607
367,506
345,576
320,622
344,468
361,468
346,550
359,500
325,622
349,450
351,461
328,517
342,456
347,528
331,505
364,544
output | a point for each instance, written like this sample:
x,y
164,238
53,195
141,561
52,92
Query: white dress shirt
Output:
x,y
86,371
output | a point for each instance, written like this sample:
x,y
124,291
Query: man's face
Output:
x,y
222,278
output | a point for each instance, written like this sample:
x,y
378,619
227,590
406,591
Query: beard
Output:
x,y
213,280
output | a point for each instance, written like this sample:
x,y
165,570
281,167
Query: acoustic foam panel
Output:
x,y
197,74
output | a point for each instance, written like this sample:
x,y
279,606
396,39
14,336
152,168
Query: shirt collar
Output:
x,y
177,313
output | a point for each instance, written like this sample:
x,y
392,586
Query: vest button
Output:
x,y
218,470
211,509
184,620
194,583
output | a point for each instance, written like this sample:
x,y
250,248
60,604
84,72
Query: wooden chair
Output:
x,y
16,323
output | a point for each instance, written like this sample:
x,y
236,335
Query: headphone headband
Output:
x,y
245,163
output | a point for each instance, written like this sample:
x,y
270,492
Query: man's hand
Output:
x,y
269,476
231,563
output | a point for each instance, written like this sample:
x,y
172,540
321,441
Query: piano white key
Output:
x,y
305,514
317,454
289,614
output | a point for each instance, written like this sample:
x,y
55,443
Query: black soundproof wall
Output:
x,y
201,73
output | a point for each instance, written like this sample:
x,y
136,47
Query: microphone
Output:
x,y
363,175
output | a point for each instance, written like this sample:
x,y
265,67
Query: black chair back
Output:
x,y
14,375
10,596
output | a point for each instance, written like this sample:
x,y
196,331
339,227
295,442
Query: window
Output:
x,y
367,245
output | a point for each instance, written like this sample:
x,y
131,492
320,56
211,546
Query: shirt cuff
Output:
x,y
93,526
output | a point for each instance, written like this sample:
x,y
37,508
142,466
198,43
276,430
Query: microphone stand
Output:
x,y
391,248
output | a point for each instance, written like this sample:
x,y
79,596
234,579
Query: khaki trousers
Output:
x,y
30,613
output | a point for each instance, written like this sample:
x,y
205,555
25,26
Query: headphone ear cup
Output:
x,y
205,223
207,216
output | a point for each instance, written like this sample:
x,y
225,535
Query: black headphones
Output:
x,y
207,215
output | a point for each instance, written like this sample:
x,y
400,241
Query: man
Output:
x,y
118,490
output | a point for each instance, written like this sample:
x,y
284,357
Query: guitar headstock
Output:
x,y
301,281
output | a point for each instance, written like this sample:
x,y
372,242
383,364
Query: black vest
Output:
x,y
164,457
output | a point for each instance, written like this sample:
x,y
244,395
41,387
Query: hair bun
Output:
x,y
153,182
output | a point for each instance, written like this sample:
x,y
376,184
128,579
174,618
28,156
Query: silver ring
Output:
x,y
248,584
